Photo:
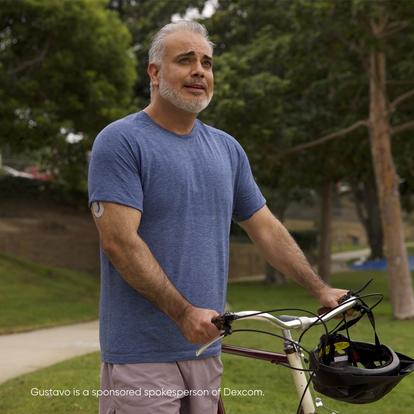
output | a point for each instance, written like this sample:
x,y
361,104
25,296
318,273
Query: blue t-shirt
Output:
x,y
188,188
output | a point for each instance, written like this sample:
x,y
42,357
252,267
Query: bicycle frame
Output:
x,y
273,358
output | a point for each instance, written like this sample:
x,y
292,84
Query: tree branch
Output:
x,y
31,62
398,82
403,127
394,28
324,139
400,99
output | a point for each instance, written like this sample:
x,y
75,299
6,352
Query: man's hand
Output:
x,y
329,298
195,324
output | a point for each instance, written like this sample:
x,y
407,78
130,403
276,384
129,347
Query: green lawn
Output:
x,y
34,296
273,381
352,247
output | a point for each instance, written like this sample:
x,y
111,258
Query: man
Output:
x,y
164,188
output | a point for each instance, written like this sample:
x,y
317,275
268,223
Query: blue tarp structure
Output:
x,y
378,264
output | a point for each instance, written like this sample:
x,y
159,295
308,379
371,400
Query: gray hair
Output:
x,y
157,47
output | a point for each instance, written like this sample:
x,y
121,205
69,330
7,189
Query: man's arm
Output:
x,y
117,227
281,251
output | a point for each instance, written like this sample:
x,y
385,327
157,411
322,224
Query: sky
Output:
x,y
192,13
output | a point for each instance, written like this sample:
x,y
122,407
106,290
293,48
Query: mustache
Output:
x,y
196,82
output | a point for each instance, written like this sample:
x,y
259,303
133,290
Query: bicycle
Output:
x,y
351,371
292,355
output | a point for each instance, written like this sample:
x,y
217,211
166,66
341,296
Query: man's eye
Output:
x,y
184,60
207,64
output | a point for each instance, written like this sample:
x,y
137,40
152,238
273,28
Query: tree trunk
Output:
x,y
367,207
325,243
388,192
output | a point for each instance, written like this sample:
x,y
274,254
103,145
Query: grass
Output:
x,y
81,373
274,381
34,296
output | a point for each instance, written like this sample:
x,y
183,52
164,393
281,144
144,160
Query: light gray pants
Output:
x,y
183,387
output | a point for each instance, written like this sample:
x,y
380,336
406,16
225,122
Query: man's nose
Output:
x,y
198,69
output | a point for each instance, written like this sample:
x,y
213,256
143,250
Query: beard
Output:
x,y
195,105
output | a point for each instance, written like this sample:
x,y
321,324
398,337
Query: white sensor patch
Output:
x,y
97,209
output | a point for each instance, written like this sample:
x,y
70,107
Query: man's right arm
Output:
x,y
117,227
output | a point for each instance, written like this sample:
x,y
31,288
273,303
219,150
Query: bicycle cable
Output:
x,y
339,323
319,318
293,342
297,343
312,372
364,307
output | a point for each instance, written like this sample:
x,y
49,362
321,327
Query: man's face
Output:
x,y
186,73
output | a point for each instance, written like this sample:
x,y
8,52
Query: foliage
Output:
x,y
286,75
51,191
65,66
306,239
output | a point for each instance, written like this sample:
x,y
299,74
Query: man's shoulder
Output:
x,y
126,129
223,135
123,125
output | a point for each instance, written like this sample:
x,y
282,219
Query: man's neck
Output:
x,y
170,117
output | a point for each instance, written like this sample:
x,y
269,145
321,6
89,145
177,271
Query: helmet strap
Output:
x,y
364,309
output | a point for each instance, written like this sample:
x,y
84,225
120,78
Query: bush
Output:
x,y
306,239
17,188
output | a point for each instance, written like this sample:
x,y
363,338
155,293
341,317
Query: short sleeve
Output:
x,y
114,170
248,198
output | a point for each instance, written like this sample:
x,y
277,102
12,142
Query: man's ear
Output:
x,y
153,71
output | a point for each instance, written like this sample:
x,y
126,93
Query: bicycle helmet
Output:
x,y
356,372
362,373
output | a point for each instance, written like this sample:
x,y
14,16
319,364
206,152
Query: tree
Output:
x,y
266,99
285,84
381,129
366,201
65,66
380,32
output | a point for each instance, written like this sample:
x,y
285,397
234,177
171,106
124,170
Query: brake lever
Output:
x,y
347,296
223,322
208,344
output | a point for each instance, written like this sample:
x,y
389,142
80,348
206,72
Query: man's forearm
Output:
x,y
140,269
283,253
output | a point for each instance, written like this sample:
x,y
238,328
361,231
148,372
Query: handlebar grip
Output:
x,y
219,322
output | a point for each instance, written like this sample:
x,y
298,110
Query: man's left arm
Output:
x,y
281,251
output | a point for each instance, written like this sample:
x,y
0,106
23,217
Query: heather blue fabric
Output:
x,y
188,189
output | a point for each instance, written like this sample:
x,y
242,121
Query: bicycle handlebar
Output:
x,y
223,322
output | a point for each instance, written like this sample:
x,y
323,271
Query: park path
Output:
x,y
26,352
